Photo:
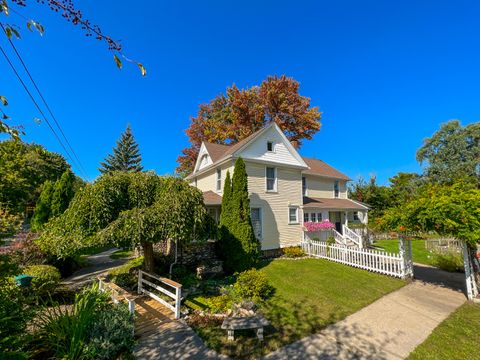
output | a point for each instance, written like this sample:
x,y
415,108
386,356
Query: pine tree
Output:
x,y
43,207
241,247
62,193
126,155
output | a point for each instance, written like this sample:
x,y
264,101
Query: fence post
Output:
x,y
140,278
472,290
405,248
131,306
178,298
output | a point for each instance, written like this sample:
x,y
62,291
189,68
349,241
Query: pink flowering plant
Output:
x,y
318,226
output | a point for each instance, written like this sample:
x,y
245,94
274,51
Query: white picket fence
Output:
x,y
368,259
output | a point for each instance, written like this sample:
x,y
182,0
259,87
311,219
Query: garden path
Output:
x,y
389,328
99,264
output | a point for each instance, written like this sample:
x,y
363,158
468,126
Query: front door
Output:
x,y
336,218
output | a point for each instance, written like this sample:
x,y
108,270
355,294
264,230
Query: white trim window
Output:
x,y
293,215
336,189
256,219
355,216
219,179
304,186
271,179
312,217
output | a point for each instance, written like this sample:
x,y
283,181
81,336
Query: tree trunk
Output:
x,y
148,262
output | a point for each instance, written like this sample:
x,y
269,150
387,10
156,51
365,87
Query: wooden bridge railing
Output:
x,y
117,293
148,283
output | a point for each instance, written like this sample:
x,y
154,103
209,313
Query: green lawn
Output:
x,y
458,337
452,262
419,253
309,295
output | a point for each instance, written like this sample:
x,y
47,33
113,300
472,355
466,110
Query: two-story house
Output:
x,y
285,188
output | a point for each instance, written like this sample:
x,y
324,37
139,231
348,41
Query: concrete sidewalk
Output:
x,y
391,327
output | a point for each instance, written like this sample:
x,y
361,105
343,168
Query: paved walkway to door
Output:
x,y
389,328
163,337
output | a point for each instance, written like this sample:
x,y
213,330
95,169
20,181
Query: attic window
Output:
x,y
269,146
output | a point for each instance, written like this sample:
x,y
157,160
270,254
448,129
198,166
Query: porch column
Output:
x,y
346,218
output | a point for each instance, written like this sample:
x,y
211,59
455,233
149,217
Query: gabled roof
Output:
x,y
319,167
216,151
219,152
332,204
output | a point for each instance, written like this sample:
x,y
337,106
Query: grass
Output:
x,y
455,338
309,295
419,253
450,262
125,268
121,254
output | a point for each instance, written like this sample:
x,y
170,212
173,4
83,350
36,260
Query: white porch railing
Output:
x,y
166,288
353,236
339,238
372,260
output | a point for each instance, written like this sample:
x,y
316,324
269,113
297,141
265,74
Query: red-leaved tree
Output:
x,y
233,116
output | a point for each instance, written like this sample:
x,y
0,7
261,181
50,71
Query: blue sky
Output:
x,y
385,74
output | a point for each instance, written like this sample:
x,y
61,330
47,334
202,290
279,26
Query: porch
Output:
x,y
349,217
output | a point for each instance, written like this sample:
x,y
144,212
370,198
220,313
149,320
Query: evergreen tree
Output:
x,y
62,193
225,218
241,247
43,207
126,155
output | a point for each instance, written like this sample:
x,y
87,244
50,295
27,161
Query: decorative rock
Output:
x,y
214,268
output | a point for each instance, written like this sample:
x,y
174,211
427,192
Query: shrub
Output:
x,y
253,284
110,334
93,329
293,252
14,316
451,262
24,251
126,275
45,278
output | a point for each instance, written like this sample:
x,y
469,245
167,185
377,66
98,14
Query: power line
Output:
x,y
46,104
36,104
81,168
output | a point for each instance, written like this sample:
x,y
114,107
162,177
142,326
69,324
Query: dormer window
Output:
x,y
270,146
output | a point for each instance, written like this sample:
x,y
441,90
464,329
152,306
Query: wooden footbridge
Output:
x,y
155,307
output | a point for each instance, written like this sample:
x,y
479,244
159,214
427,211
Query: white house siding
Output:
x,y
322,187
257,150
277,232
208,180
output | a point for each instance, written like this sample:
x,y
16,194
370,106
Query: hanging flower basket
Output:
x,y
318,226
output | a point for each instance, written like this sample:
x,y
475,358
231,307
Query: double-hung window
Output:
x,y
293,215
336,188
271,178
219,180
355,216
304,186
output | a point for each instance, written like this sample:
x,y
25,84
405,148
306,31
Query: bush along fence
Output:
x,y
397,265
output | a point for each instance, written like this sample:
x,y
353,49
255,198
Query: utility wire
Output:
x,y
35,102
79,163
